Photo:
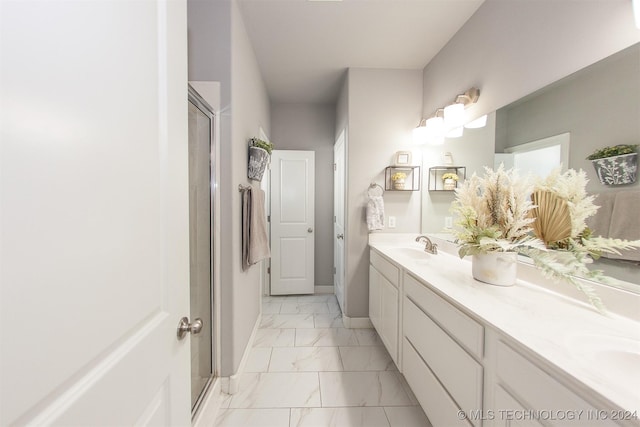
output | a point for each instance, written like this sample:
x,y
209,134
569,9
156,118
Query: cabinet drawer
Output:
x,y
537,390
505,400
458,372
437,404
466,331
388,270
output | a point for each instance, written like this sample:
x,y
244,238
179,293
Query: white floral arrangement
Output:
x,y
493,213
544,220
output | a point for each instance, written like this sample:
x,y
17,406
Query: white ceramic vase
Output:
x,y
495,268
449,184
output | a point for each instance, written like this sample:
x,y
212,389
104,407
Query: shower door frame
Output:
x,y
200,103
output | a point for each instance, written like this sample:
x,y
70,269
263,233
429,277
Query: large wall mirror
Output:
x,y
592,108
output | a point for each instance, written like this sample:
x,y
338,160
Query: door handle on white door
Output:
x,y
185,327
340,236
309,230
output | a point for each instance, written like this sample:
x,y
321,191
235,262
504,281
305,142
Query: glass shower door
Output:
x,y
201,126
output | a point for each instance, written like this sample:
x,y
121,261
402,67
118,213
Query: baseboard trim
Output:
x,y
356,322
234,380
323,289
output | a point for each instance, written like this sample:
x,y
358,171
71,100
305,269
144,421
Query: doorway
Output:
x,y
339,218
292,222
201,243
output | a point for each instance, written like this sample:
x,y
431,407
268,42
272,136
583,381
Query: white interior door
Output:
x,y
292,222
338,223
95,226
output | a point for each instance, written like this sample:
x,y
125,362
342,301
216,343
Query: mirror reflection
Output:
x,y
596,107
568,120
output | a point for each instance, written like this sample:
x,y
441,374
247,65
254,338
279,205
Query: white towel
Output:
x,y
375,213
625,223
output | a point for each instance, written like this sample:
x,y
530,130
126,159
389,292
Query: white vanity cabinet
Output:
x,y
384,301
473,357
523,392
442,356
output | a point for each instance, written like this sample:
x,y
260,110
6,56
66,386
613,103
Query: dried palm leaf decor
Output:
x,y
552,217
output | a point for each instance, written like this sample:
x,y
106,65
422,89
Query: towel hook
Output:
x,y
373,186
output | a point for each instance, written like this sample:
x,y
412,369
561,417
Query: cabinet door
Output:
x,y
374,297
389,316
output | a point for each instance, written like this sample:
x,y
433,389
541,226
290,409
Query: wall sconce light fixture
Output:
x,y
448,121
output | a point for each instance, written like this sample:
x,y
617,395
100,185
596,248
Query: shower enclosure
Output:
x,y
201,238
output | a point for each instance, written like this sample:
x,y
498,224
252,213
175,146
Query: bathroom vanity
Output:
x,y
482,355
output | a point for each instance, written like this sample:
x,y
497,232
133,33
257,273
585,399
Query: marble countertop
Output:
x,y
566,333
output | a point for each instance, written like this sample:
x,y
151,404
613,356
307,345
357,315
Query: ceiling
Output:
x,y
303,47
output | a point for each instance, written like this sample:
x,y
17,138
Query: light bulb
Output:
x,y
435,126
480,122
419,135
454,115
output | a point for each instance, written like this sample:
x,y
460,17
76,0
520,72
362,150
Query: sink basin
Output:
x,y
618,358
414,253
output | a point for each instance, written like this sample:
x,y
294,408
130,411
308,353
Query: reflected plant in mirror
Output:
x,y
502,212
562,207
595,107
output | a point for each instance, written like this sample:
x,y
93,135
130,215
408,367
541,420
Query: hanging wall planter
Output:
x,y
617,165
259,155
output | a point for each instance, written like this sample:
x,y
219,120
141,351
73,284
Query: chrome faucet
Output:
x,y
429,246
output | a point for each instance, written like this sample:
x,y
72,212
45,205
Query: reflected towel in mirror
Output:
x,y
375,213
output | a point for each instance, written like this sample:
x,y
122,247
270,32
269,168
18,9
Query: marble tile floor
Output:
x,y
305,369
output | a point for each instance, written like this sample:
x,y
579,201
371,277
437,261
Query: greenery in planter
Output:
x,y
450,175
256,142
616,150
398,176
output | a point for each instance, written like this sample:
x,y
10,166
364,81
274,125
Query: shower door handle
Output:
x,y
185,327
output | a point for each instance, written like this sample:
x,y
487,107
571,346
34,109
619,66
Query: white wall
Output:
x,y
219,50
384,106
311,127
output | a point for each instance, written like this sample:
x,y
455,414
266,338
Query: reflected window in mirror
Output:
x,y
538,158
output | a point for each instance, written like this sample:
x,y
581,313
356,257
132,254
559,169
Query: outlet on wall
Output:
x,y
392,222
448,222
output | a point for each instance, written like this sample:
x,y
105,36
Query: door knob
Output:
x,y
185,327
309,230
340,236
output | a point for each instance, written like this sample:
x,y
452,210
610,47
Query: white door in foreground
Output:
x,y
94,220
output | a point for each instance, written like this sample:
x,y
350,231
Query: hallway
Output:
x,y
306,369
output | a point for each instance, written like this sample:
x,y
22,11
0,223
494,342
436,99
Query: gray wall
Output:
x,y
311,127
509,49
219,50
383,107
473,150
599,106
